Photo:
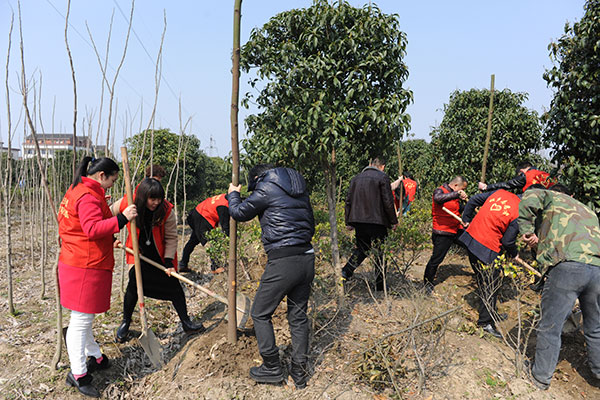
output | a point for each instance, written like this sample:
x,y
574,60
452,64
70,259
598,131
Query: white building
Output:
x,y
51,142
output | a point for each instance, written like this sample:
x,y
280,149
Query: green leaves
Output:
x,y
572,129
459,140
332,78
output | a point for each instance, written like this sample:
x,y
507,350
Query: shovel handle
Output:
x,y
134,240
529,267
181,277
456,217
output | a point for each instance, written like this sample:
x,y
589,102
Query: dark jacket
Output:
x,y
370,199
281,202
515,183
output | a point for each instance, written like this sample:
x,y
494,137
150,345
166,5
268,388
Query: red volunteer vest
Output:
x,y
441,220
158,233
77,250
493,218
410,188
534,176
208,208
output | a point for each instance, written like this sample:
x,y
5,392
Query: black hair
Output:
x,y
90,165
150,188
559,187
523,164
256,172
458,179
377,161
407,174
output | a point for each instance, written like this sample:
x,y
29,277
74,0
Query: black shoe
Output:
x,y
83,384
527,366
347,273
269,372
122,332
299,373
184,268
93,365
189,326
489,328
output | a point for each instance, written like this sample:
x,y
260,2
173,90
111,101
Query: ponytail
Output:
x,y
90,165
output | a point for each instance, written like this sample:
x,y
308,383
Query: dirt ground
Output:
x,y
465,364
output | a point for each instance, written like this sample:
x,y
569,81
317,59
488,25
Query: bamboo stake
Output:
x,y
235,155
489,130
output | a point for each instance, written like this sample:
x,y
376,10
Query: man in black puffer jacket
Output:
x,y
280,200
370,211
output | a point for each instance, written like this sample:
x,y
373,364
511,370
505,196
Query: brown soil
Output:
x,y
466,365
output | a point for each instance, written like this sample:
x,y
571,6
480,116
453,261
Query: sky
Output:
x,y
451,46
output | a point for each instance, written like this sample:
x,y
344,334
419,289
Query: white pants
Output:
x,y
80,341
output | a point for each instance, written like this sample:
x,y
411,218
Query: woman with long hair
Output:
x,y
157,233
86,262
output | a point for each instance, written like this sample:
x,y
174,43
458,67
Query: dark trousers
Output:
x,y
566,282
488,283
441,245
289,276
368,236
199,227
175,294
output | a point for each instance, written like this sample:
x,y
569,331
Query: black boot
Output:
x,y
122,331
93,365
299,373
270,371
83,384
189,326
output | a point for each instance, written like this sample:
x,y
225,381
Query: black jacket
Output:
x,y
370,199
281,202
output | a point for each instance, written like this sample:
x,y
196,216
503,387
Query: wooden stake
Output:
x,y
489,130
235,172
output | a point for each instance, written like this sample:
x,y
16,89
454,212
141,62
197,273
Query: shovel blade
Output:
x,y
243,304
152,347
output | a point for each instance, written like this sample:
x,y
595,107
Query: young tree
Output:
x,y
573,121
458,142
332,78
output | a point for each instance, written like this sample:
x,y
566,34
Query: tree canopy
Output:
x,y
203,175
328,74
458,142
572,127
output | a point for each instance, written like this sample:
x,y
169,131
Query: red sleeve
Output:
x,y
90,216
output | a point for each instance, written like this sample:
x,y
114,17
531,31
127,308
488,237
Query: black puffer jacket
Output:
x,y
281,202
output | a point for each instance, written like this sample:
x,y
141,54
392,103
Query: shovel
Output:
x,y
147,339
459,219
242,301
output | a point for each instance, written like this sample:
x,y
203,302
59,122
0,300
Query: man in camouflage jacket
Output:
x,y
567,236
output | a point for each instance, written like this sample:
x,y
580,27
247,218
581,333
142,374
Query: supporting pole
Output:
x,y
489,131
235,172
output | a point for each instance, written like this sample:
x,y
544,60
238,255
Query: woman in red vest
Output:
x,y
157,233
86,227
492,229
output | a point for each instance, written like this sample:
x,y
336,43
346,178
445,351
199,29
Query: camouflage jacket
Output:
x,y
567,230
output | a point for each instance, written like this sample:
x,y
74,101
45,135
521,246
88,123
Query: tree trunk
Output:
x,y
330,187
235,153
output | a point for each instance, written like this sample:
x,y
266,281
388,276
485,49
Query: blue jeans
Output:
x,y
566,282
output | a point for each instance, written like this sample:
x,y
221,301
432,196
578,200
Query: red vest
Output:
x,y
534,176
410,188
493,218
208,208
158,233
77,250
441,220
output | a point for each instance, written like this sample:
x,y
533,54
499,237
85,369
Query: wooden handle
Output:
x,y
529,267
456,217
178,276
134,238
